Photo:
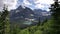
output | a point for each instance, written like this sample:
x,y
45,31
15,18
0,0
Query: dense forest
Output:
x,y
51,26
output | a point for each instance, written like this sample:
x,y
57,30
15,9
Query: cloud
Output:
x,y
26,3
10,3
44,1
34,4
38,4
43,4
1,4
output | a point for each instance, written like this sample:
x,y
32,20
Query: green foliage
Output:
x,y
25,31
28,30
38,32
15,30
4,22
53,25
31,30
47,26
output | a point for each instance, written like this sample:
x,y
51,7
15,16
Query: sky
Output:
x,y
33,4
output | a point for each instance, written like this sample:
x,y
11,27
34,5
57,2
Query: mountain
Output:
x,y
26,16
21,14
43,14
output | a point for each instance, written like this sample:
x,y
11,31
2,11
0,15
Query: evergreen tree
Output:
x,y
56,16
4,21
44,21
39,22
53,25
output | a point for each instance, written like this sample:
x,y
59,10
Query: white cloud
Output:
x,y
25,3
43,4
40,4
44,1
10,3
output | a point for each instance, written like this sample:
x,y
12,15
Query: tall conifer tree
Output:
x,y
55,8
4,21
53,26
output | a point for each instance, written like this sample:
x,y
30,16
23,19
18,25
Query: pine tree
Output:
x,y
56,17
53,26
44,21
4,21
39,22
